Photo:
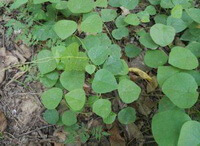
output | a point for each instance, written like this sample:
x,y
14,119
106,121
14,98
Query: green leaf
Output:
x,y
128,91
39,1
102,107
58,52
92,100
69,118
92,24
18,3
104,81
45,61
65,28
166,126
190,134
132,19
51,116
125,68
194,13
161,18
52,97
177,11
108,15
44,32
183,3
154,2
164,72
110,119
144,16
183,58
151,10
101,3
186,18
162,35
73,59
165,104
80,6
127,115
76,99
119,22
132,51
71,80
61,5
115,51
50,79
114,3
119,33
92,41
195,74
181,90
147,41
98,54
114,65
129,4
166,4
155,58
194,48
90,69
1,4
178,24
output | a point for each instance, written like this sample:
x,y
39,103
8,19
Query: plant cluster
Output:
x,y
84,49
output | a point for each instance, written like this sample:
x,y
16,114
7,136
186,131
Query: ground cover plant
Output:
x,y
84,63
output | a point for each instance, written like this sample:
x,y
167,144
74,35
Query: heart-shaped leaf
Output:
x,y
104,81
181,90
72,80
128,91
65,28
127,115
46,62
76,99
80,6
69,118
102,107
162,34
52,97
183,58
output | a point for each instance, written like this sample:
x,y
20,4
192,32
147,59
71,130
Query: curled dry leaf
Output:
x,y
141,73
3,122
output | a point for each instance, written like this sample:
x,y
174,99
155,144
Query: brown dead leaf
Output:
x,y
9,59
19,55
125,11
3,122
134,133
151,86
24,50
115,138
